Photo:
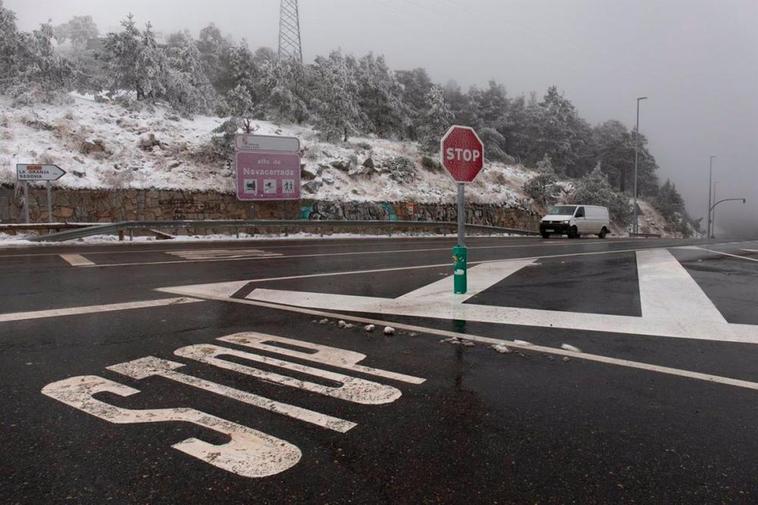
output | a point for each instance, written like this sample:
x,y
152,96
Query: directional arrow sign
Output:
x,y
32,172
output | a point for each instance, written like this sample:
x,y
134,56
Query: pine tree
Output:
x,y
543,187
9,45
594,189
435,120
335,98
380,97
79,30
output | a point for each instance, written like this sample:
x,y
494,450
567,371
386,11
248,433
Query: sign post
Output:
x,y
462,154
30,172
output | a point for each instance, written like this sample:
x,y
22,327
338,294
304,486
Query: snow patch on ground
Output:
x,y
103,145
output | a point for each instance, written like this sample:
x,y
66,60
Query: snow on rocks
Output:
x,y
501,348
521,342
458,341
153,148
569,347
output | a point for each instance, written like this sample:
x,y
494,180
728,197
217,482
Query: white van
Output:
x,y
575,220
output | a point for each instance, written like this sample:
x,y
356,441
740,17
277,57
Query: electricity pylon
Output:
x,y
290,44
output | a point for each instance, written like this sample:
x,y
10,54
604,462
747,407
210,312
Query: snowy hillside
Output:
x,y
104,145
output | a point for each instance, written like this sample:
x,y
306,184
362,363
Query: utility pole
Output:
x,y
290,43
636,227
710,195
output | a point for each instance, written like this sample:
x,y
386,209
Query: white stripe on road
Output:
x,y
221,254
93,309
480,278
77,260
729,254
510,343
668,292
151,366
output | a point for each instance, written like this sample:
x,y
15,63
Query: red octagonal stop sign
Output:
x,y
462,153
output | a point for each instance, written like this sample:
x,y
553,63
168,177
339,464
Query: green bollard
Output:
x,y
460,258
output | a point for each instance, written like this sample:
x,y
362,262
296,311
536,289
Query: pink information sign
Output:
x,y
266,175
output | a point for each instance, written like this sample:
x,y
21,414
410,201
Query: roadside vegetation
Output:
x,y
340,96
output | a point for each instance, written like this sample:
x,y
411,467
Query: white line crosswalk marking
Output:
x,y
667,291
77,260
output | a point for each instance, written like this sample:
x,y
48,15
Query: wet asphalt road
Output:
x,y
483,427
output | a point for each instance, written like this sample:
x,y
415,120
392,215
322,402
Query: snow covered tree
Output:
x,y
121,51
39,64
543,187
564,136
594,189
150,66
380,97
282,87
79,30
215,51
461,105
491,105
435,121
9,44
187,86
494,144
416,85
335,98
241,107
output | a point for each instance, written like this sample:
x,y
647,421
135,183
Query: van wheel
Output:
x,y
545,235
573,232
603,232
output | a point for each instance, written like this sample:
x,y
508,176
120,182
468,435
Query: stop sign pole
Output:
x,y
462,155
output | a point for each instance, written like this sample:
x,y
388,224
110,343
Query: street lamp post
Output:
x,y
710,194
636,162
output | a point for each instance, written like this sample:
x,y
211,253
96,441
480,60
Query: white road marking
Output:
x,y
361,253
668,292
480,278
221,254
728,254
76,260
751,250
152,366
249,453
229,288
352,389
339,358
666,321
510,343
93,309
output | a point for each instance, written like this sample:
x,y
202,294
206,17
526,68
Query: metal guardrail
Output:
x,y
646,235
240,225
16,227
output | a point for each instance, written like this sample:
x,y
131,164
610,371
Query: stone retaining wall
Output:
x,y
88,205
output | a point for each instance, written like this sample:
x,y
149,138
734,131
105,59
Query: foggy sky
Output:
x,y
696,60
